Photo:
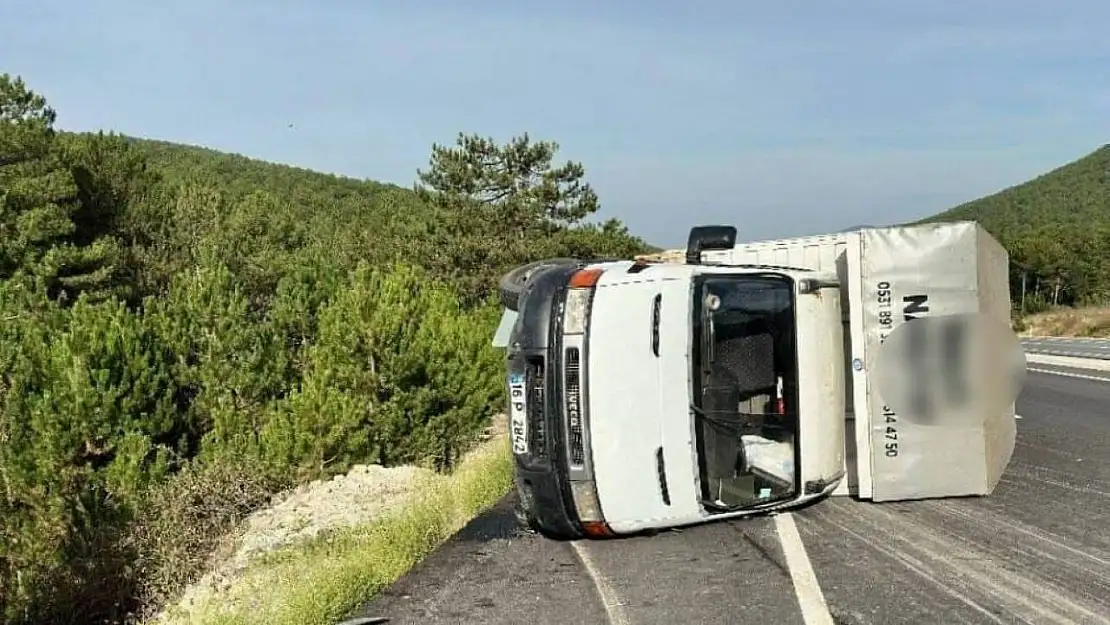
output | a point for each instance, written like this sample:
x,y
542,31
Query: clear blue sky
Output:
x,y
784,117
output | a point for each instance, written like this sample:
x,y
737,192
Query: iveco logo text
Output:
x,y
573,411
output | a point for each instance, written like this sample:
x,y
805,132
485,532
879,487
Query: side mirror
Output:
x,y
708,238
505,328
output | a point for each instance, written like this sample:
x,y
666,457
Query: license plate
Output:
x,y
518,415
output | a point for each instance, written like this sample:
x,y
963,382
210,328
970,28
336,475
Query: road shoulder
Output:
x,y
492,572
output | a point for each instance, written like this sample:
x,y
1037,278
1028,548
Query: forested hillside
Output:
x,y
1057,230
186,332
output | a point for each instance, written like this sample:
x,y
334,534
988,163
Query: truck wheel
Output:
x,y
513,283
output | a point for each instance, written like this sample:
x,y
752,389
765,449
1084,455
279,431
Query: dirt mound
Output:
x,y
363,494
360,496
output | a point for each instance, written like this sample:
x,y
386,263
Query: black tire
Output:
x,y
512,284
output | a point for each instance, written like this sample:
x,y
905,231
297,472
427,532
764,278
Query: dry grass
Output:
x,y
325,579
186,521
665,256
1080,322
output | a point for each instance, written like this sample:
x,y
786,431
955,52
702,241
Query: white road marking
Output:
x,y
1068,374
1090,364
614,609
810,598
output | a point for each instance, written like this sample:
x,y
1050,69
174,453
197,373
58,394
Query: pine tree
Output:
x,y
39,200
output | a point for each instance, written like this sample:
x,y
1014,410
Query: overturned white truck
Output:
x,y
647,394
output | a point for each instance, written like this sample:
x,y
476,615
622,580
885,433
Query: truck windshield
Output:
x,y
744,404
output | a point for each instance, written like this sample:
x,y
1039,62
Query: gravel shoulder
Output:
x,y
360,496
326,546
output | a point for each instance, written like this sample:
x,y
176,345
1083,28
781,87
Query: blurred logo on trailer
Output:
x,y
949,370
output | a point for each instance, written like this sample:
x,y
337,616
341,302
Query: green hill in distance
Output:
x,y
263,214
242,174
1077,193
1056,228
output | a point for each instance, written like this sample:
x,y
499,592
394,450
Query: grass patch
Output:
x,y
1078,322
322,581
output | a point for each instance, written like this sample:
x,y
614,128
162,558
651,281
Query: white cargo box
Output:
x,y
928,270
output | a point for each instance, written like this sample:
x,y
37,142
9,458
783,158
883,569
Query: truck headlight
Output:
x,y
576,311
588,508
585,500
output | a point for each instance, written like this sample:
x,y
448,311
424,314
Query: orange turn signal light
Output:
x,y
585,278
597,529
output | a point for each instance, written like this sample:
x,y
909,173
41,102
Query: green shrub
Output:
x,y
88,423
228,366
398,373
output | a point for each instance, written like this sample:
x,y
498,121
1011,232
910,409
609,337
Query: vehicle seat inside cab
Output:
x,y
741,387
747,357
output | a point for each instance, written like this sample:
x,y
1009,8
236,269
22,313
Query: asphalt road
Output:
x,y
1062,346
1036,551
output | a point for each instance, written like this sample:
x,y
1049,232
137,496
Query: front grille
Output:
x,y
573,395
534,387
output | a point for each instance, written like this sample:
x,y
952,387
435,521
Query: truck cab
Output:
x,y
644,396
